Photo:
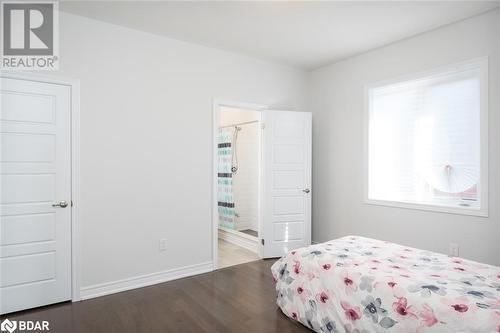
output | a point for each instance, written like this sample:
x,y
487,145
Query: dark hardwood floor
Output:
x,y
234,299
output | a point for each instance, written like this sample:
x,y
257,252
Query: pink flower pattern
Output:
x,y
358,284
402,309
351,312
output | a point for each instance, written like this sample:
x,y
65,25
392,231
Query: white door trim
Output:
x,y
217,103
74,85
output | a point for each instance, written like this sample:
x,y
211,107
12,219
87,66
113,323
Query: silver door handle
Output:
x,y
306,190
61,204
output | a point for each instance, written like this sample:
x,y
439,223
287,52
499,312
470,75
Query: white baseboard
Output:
x,y
107,288
239,238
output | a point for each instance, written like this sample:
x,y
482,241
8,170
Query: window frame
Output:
x,y
477,63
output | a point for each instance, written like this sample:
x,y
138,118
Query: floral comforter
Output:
x,y
356,284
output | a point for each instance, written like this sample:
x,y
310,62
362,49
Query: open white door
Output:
x,y
286,182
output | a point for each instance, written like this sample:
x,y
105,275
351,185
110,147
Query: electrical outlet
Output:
x,y
454,250
163,244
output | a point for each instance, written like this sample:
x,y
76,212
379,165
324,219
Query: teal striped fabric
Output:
x,y
225,195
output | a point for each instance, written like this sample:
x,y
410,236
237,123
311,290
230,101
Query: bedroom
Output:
x,y
142,83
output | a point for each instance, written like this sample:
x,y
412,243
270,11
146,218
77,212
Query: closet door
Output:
x,y
35,197
286,182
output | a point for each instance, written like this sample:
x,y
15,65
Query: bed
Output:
x,y
357,284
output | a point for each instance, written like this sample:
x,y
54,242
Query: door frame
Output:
x,y
214,223
74,85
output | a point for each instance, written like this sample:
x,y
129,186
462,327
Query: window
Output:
x,y
425,141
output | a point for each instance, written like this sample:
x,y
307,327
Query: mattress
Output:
x,y
357,284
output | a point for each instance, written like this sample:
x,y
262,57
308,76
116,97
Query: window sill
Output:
x,y
483,212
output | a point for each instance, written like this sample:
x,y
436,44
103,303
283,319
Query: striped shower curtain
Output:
x,y
225,196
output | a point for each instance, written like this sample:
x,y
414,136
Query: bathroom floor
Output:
x,y
230,254
250,232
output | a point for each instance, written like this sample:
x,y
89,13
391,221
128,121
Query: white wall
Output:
x,y
146,134
146,122
230,115
246,179
337,102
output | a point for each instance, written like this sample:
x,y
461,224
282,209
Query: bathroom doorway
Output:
x,y
261,182
238,139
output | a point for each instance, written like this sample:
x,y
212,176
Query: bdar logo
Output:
x,y
8,326
24,325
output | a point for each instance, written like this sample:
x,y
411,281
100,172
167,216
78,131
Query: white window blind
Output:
x,y
424,141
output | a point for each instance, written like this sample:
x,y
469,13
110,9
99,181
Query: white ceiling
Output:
x,y
303,34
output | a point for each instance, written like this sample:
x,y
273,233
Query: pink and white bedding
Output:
x,y
356,284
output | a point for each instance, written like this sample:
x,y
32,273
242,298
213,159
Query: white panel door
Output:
x,y
286,182
35,175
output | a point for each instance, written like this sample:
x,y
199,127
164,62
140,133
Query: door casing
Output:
x,y
74,85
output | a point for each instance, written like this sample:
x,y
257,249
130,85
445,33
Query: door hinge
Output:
x,y
262,241
263,125
71,203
